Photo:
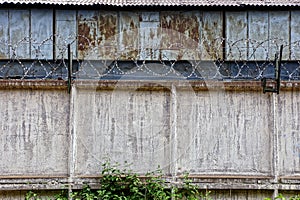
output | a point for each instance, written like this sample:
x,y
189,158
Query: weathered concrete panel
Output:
x,y
236,34
258,35
34,133
212,36
279,32
12,195
289,132
128,36
224,133
241,194
66,32
123,125
41,33
4,49
295,35
19,24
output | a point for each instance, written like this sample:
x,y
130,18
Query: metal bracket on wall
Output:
x,y
70,66
276,81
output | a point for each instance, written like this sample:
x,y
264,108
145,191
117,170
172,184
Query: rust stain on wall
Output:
x,y
87,31
170,32
107,38
180,31
107,27
211,35
129,34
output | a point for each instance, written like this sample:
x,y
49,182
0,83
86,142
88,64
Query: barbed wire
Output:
x,y
219,58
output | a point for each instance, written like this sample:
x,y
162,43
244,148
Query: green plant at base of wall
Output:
x,y
117,184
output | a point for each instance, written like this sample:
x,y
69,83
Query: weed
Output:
x,y
117,184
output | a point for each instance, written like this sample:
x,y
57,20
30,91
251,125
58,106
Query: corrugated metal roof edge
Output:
x,y
242,5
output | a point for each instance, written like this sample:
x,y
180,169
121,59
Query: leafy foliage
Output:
x,y
117,184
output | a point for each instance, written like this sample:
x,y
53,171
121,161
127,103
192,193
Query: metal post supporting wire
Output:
x,y
276,88
70,66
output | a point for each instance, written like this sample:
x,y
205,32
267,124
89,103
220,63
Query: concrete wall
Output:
x,y
227,135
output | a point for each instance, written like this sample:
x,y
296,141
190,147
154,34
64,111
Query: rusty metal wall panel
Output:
x,y
108,35
4,39
180,34
295,35
128,36
212,35
124,125
88,34
289,133
150,36
224,132
170,23
41,33
98,35
66,32
170,36
191,35
87,41
150,17
258,35
279,32
19,25
149,41
236,34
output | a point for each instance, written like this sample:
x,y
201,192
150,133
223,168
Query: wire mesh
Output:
x,y
214,59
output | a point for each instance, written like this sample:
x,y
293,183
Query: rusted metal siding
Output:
x,y
19,21
4,49
295,35
211,45
42,45
236,35
88,34
258,23
129,36
65,32
279,29
108,35
150,37
180,35
168,35
98,31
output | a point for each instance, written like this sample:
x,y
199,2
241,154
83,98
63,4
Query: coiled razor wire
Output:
x,y
241,59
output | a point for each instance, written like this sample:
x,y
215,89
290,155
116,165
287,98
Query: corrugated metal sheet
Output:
x,y
161,3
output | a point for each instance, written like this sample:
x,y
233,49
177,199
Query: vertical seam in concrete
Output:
x,y
173,115
275,144
72,140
